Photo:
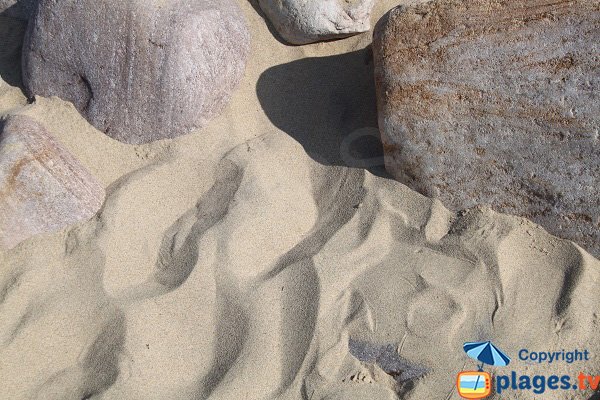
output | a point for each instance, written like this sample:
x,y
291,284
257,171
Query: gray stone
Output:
x,y
307,21
486,102
137,70
43,188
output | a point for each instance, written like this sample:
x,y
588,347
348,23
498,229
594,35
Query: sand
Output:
x,y
263,258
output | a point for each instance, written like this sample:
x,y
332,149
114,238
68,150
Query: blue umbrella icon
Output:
x,y
487,353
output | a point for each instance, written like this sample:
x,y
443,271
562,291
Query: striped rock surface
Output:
x,y
496,102
138,70
43,188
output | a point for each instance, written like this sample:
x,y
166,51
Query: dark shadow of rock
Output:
x,y
12,33
328,105
20,9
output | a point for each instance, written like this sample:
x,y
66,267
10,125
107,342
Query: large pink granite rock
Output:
x,y
496,102
43,188
138,70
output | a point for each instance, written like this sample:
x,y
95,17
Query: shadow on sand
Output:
x,y
328,105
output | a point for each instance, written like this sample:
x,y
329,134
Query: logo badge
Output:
x,y
474,384
478,384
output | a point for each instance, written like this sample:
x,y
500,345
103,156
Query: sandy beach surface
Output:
x,y
269,256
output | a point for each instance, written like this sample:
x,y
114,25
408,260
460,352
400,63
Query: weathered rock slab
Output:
x,y
43,188
307,21
139,71
487,102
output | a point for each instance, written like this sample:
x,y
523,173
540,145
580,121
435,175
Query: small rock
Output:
x,y
486,102
43,188
138,71
307,21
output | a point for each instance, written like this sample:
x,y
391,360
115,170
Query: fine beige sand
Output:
x,y
247,261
